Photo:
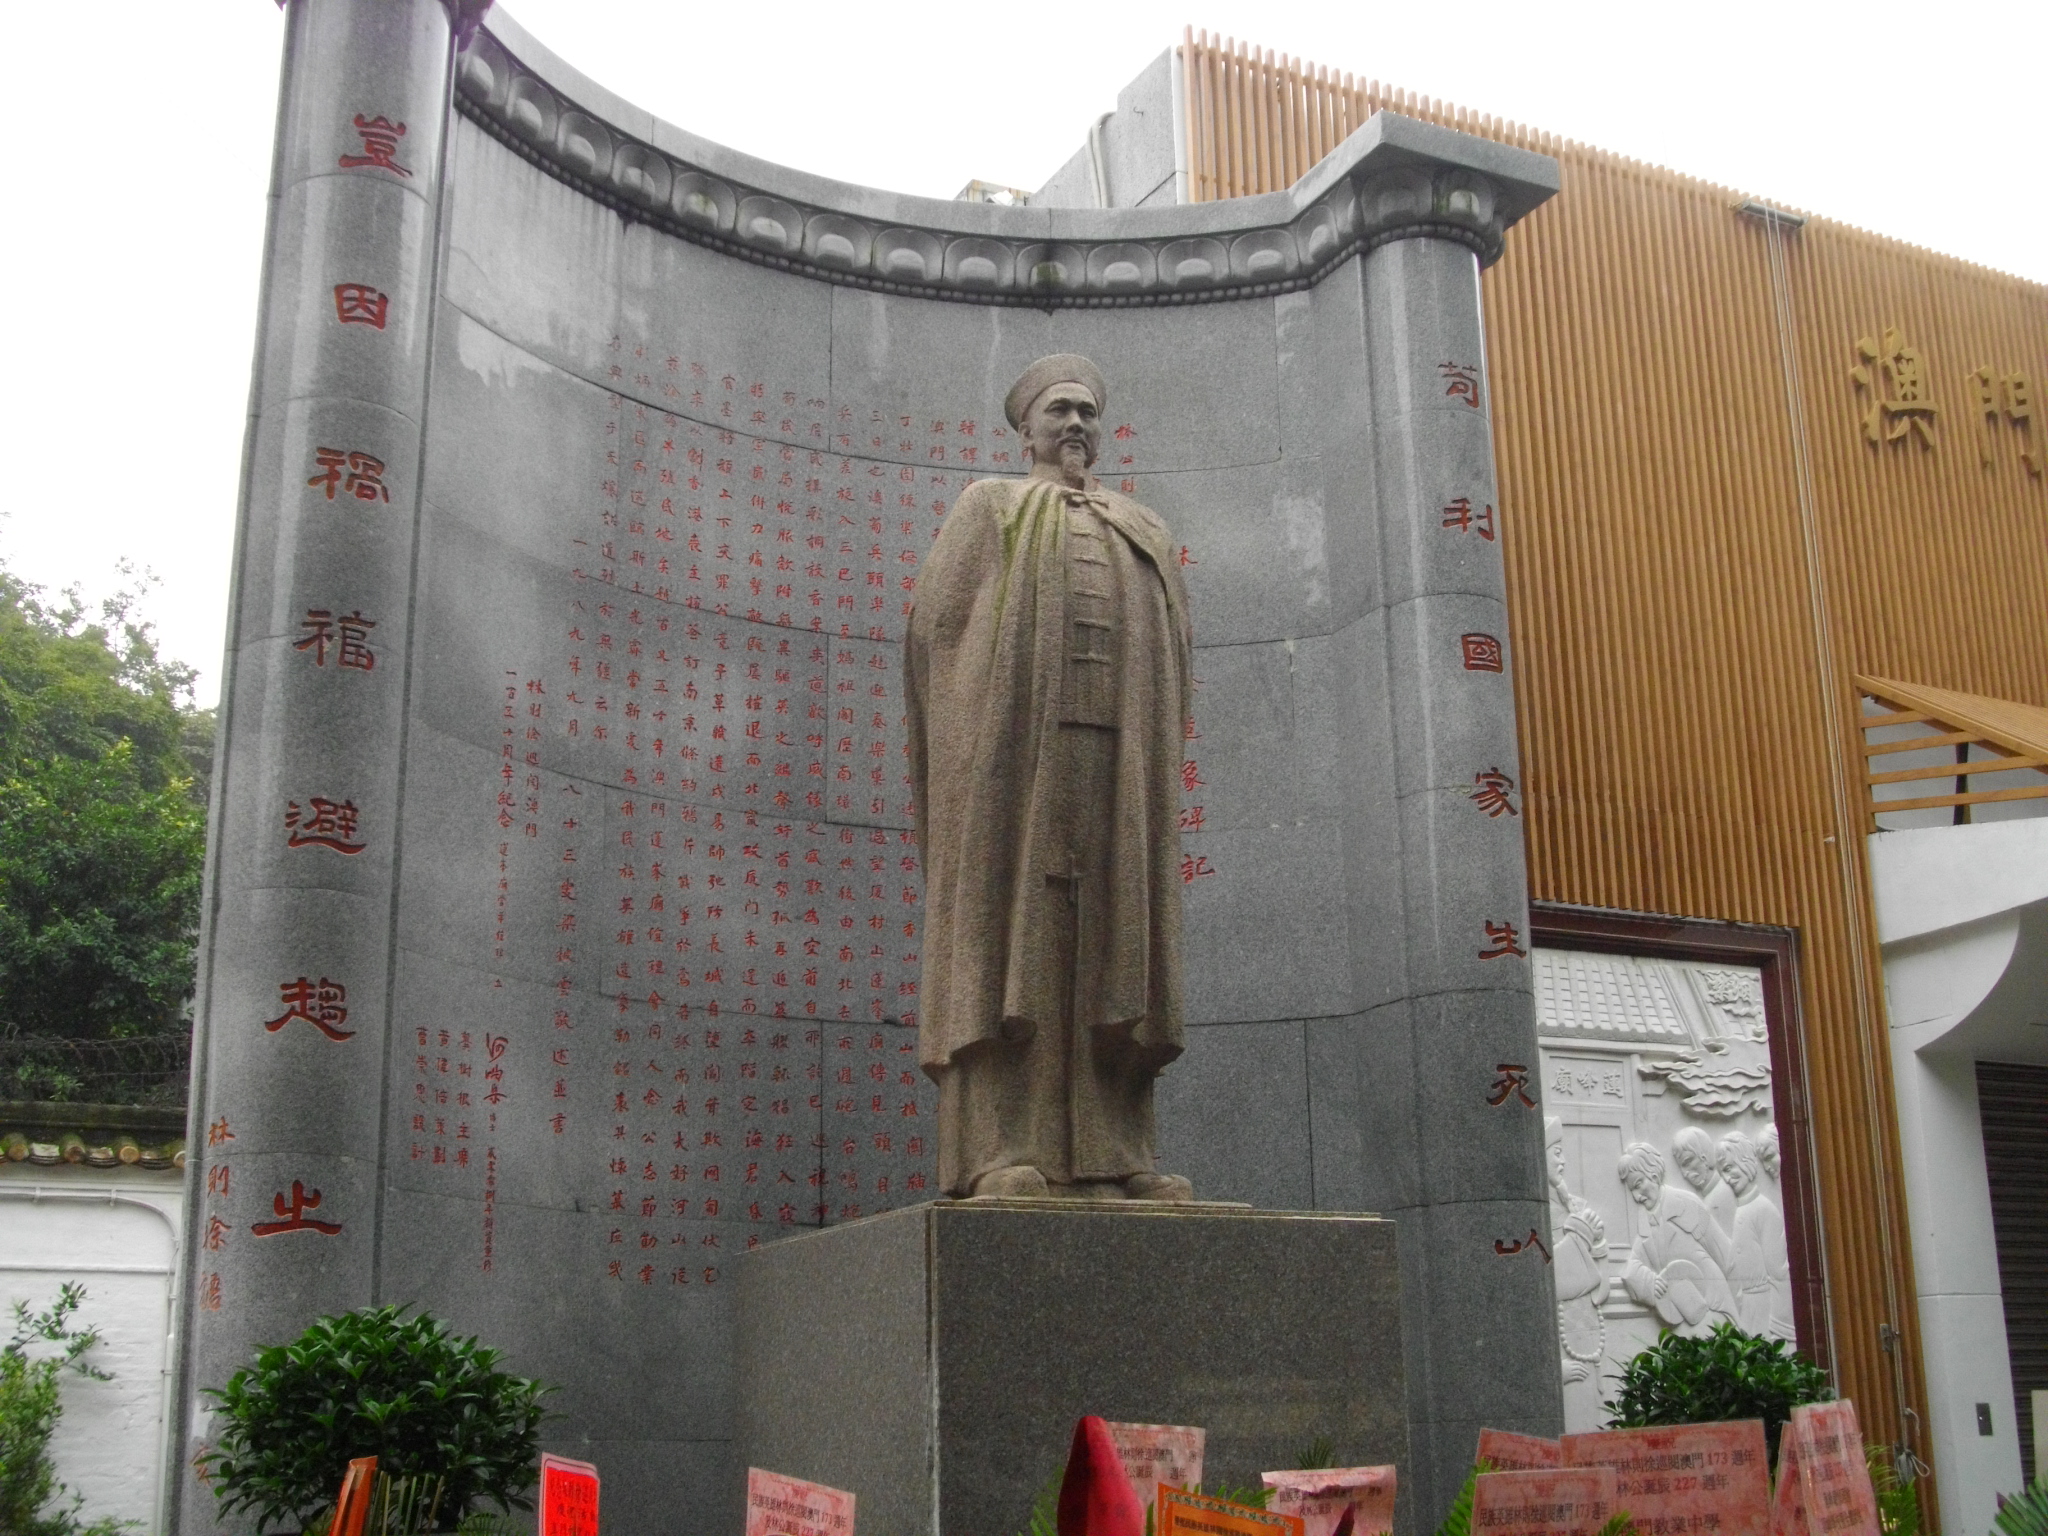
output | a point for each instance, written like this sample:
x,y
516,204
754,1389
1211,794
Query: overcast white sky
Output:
x,y
135,184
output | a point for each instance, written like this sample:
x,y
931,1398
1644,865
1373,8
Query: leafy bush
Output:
x,y
1898,1501
1728,1374
2024,1514
30,1405
374,1383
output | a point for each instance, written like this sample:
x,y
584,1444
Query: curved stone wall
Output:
x,y
563,919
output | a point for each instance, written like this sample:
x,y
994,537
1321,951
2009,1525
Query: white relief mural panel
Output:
x,y
1665,1208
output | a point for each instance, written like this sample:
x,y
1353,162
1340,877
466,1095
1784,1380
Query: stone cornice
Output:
x,y
1396,178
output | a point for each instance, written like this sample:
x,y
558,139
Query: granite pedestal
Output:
x,y
933,1360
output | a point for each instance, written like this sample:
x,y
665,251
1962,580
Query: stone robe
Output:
x,y
994,772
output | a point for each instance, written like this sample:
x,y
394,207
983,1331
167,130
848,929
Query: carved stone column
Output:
x,y
1448,1062
289,1100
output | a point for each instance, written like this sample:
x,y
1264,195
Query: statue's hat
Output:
x,y
1060,368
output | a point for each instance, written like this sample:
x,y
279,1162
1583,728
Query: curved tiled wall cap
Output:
x,y
1395,178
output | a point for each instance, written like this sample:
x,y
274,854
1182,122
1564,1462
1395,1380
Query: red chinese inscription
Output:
x,y
218,1132
1459,515
324,824
1511,1082
292,1214
357,474
380,144
1193,867
319,1003
1482,653
360,304
348,634
1491,789
1534,1241
1501,940
1461,382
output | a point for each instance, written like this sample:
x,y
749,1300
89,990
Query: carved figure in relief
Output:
x,y
1761,1271
1678,1265
1767,1153
1048,669
1698,1164
1578,1242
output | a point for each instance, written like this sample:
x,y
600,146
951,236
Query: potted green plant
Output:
x,y
1724,1374
374,1382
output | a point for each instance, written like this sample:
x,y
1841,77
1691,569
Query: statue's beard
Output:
x,y
1074,458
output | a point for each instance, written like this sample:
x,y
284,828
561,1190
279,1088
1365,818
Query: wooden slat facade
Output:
x,y
1703,550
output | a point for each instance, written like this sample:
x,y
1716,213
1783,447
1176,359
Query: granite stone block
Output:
x,y
298,546
1454,715
1486,1358
717,318
956,1402
1475,1071
1466,917
1254,537
377,60
1389,1123
516,445
298,958
529,259
1441,528
1234,1115
1246,750
1423,318
1338,1148
1262,919
1197,387
370,341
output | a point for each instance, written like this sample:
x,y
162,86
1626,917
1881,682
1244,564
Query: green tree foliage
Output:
x,y
373,1382
1728,1374
32,1501
102,821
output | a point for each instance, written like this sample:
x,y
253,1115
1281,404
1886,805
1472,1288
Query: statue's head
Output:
x,y
1642,1171
1739,1164
1553,1148
1767,1150
1056,408
1693,1150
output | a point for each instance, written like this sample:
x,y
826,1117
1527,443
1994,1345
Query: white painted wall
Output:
x,y
1962,917
116,1232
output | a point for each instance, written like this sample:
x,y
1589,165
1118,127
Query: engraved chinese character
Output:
x,y
1459,515
209,1292
1190,777
1501,940
357,474
218,1132
360,304
1894,375
1461,382
1195,867
319,1003
1511,1081
327,823
1482,653
293,1217
1491,790
380,142
216,1237
218,1178
348,634
1533,1240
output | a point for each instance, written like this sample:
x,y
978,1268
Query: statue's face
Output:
x,y
1063,430
1641,1188
1555,1150
1738,1177
1699,1173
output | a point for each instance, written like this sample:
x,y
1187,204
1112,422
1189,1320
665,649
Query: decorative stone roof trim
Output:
x,y
95,1135
1395,178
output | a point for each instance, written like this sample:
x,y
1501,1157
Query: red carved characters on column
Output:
x,y
319,1003
380,138
292,1215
